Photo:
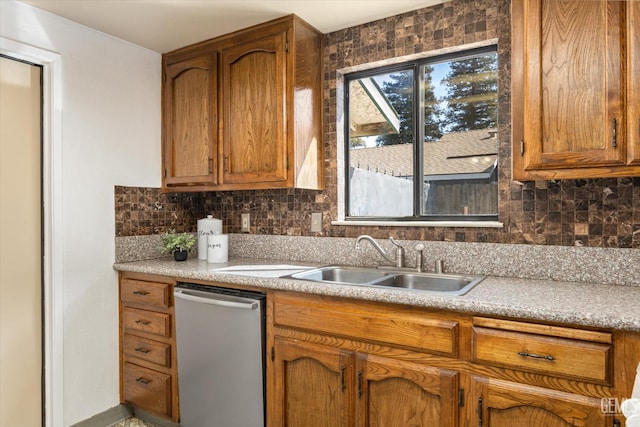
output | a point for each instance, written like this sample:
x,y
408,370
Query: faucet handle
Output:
x,y
419,248
399,253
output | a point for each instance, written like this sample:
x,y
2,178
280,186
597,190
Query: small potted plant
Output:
x,y
178,244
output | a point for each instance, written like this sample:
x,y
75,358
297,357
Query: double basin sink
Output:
x,y
448,284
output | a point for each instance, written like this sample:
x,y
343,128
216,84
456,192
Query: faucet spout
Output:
x,y
399,261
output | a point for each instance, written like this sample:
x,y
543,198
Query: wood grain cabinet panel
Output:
x,y
398,393
313,385
147,389
146,321
574,95
405,328
148,368
495,403
545,354
146,349
255,132
141,292
189,120
268,88
366,364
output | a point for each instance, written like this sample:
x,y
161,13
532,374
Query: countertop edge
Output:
x,y
583,304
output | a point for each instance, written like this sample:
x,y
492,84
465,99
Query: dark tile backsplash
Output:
x,y
593,212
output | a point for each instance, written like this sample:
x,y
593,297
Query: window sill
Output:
x,y
456,224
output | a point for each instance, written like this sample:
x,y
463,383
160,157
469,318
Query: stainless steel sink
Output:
x,y
345,275
450,284
441,283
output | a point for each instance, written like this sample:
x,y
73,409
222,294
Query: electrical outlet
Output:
x,y
245,223
316,222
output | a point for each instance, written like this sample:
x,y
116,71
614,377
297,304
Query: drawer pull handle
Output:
x,y
143,380
142,322
359,384
343,385
142,350
535,356
141,293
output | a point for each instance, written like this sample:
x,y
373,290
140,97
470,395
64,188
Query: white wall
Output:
x,y
110,136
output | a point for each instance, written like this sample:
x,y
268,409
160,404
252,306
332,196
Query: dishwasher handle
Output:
x,y
182,294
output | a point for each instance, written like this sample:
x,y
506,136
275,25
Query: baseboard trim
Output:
x,y
108,417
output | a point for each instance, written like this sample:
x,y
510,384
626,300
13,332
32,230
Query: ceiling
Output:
x,y
165,25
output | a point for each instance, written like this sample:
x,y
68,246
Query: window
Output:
x,y
421,140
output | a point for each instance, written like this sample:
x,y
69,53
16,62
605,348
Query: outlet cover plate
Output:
x,y
245,223
316,222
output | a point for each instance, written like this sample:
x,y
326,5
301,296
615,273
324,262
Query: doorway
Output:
x,y
21,244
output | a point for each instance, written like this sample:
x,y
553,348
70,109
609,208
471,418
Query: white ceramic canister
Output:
x,y
218,248
207,227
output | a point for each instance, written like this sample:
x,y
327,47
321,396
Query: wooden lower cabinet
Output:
x,y
324,386
496,403
313,385
344,362
148,360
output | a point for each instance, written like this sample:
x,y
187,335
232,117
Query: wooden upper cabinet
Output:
x,y
190,120
254,125
268,89
574,97
633,86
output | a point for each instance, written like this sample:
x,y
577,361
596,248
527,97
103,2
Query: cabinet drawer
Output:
x,y
149,350
362,321
545,354
151,293
146,321
147,389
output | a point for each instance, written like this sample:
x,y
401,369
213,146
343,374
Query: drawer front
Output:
x,y
399,328
147,389
149,350
146,321
151,293
549,355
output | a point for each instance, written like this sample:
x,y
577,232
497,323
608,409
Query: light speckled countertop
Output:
x,y
574,303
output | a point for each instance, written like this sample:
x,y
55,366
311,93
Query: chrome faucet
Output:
x,y
399,261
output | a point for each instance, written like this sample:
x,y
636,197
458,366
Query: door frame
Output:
x,y
52,265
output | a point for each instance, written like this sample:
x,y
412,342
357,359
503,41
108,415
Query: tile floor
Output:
x,y
135,422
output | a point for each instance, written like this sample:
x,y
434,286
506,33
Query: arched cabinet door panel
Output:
x,y
254,128
190,96
499,403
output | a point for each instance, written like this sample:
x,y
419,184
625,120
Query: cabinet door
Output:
x,y
633,84
497,403
190,122
313,385
396,393
254,125
569,53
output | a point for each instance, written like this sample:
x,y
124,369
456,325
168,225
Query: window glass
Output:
x,y
422,140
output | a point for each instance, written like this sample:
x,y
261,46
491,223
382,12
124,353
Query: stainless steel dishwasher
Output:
x,y
220,338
